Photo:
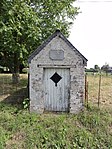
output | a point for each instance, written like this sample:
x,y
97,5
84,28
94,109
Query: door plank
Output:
x,y
56,97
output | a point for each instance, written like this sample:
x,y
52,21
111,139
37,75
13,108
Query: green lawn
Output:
x,y
90,129
19,129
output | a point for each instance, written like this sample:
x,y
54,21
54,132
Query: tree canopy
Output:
x,y
25,24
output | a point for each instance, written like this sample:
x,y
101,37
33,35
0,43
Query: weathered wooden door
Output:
x,y
57,86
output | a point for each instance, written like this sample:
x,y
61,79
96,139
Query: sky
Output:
x,y
91,33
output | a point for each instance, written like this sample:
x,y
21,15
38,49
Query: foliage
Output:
x,y
25,24
97,68
26,103
106,68
1,69
91,70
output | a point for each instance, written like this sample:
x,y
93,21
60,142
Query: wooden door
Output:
x,y
56,83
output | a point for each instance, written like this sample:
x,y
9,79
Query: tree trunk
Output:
x,y
15,74
15,78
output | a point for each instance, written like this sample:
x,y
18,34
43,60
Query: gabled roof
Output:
x,y
56,33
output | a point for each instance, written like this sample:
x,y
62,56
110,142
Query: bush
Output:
x,y
1,70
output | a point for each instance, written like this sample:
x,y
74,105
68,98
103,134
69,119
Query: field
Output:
x,y
90,129
105,93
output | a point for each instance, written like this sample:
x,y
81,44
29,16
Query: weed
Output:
x,y
26,103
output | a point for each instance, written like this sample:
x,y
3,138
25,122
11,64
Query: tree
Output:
x,y
25,24
96,68
105,68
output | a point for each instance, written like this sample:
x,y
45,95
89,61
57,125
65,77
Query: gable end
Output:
x,y
57,32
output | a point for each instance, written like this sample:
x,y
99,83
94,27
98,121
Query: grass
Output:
x,y
106,90
21,130
13,92
90,129
6,86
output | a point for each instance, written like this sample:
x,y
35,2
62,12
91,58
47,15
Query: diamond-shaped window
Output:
x,y
56,78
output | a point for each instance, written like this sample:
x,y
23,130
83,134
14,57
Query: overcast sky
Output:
x,y
91,33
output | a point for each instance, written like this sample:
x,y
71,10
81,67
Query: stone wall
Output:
x,y
71,60
77,89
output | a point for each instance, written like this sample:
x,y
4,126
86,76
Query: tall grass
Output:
x,y
106,90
